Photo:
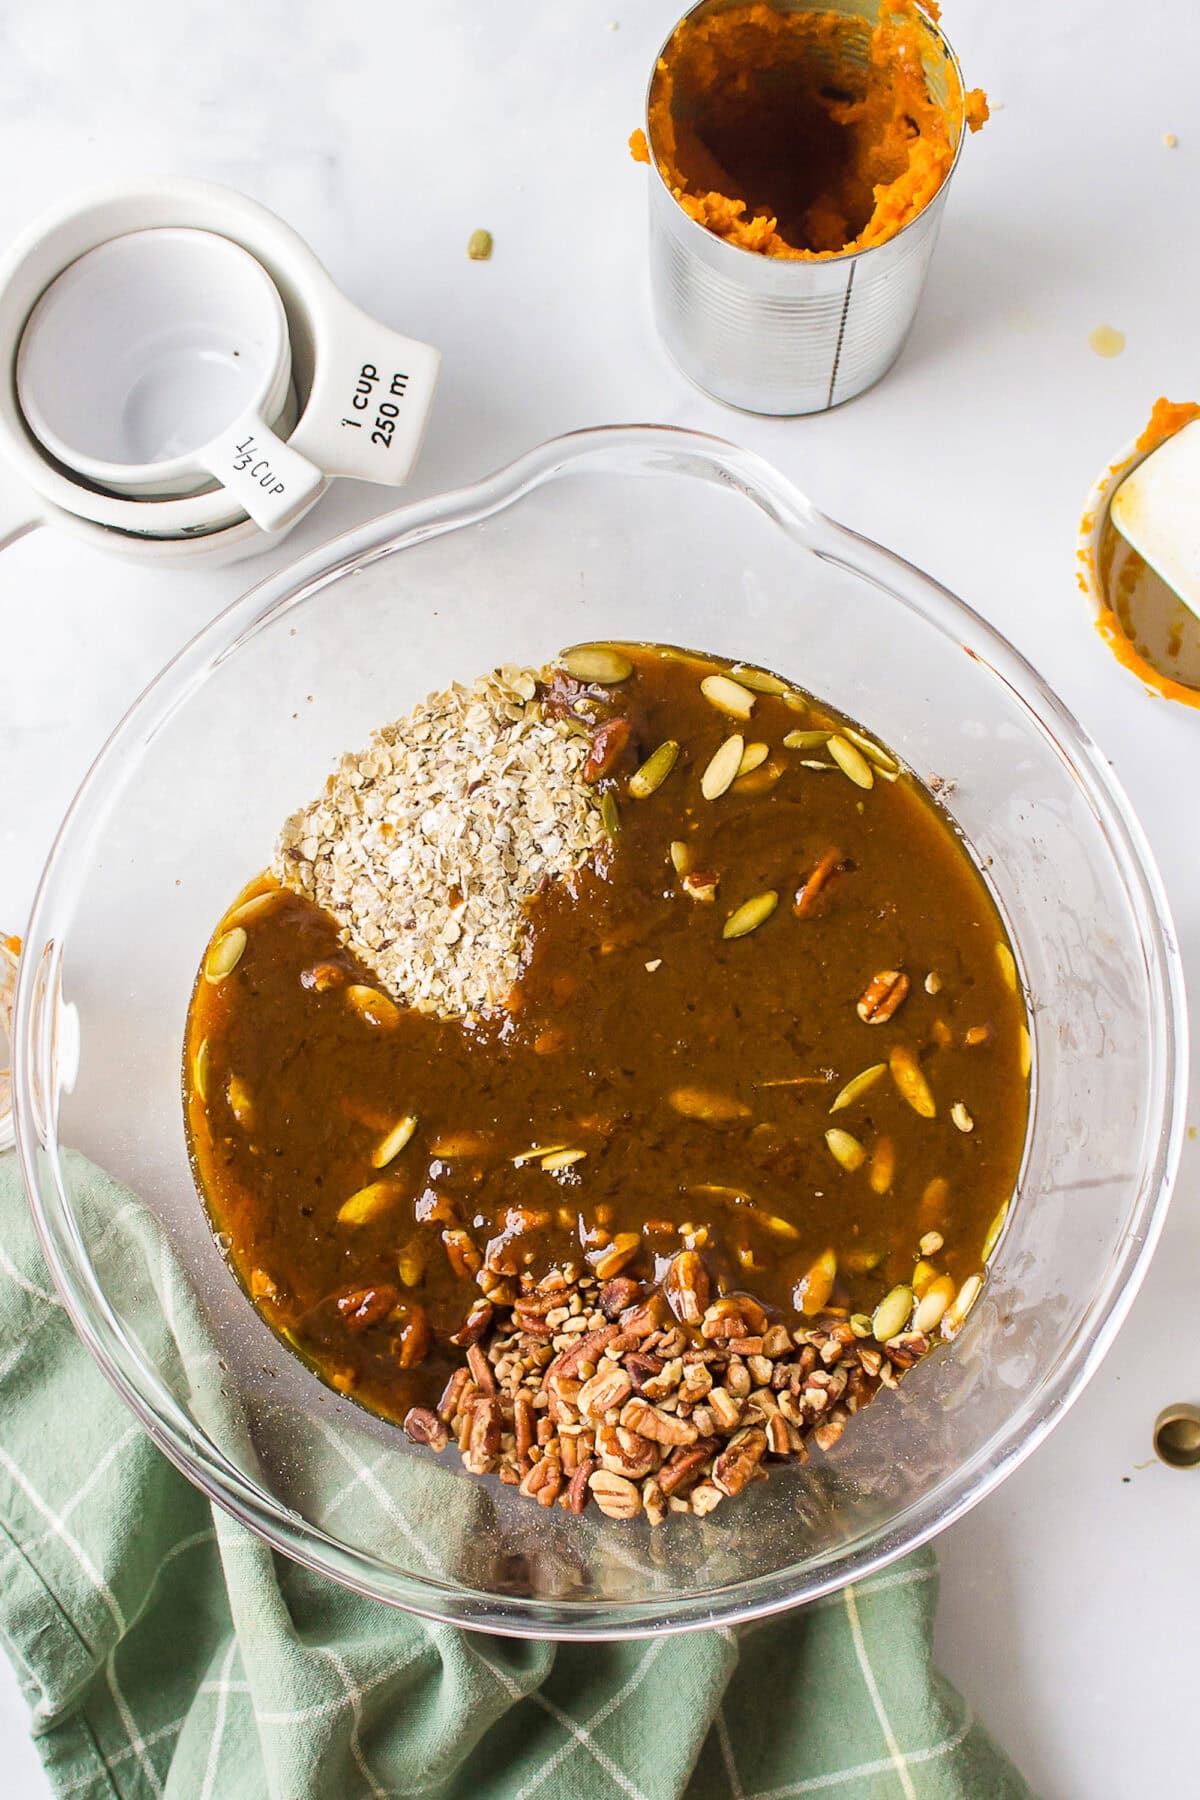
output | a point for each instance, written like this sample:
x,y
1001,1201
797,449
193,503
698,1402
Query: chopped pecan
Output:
x,y
323,976
652,1422
736,1464
642,1367
683,1466
734,1316
523,1427
474,1325
424,1427
813,887
687,1287
462,1254
588,1348
365,1306
544,1481
883,995
626,1452
616,1497
414,1339
578,1491
483,1442
481,1370
607,744
617,1294
451,1398
609,1387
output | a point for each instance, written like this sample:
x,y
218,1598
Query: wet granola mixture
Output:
x,y
728,1152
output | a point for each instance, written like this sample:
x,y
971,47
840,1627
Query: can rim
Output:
x,y
932,25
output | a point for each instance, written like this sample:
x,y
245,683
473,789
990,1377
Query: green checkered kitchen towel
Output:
x,y
166,1652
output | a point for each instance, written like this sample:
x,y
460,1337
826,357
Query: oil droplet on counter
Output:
x,y
1105,340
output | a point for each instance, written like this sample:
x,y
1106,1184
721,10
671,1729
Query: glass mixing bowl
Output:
x,y
619,533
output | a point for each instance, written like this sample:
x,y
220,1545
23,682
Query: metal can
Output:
x,y
774,335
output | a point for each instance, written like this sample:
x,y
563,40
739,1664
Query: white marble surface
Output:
x,y
385,132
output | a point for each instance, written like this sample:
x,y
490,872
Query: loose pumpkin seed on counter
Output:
x,y
509,1089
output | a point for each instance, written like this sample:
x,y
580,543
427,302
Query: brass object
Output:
x,y
1177,1436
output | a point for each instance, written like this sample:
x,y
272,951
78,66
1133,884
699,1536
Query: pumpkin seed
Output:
x,y
860,1324
758,680
961,1118
815,1288
394,1142
883,1166
806,763
722,768
479,245
993,1233
961,1305
780,1227
200,1069
562,1159
851,761
536,1153
934,1302
240,1103
610,818
225,955
728,696
871,750
367,1203
373,1006
750,915
862,1084
460,1143
935,1195
806,740
910,1080
933,982
1008,966
861,1262
654,771
1025,1053
892,1313
931,1243
254,908
681,856
699,1103
597,663
410,1263
845,1149
753,756
924,1275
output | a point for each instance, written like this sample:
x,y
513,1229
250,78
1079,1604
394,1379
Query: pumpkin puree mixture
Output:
x,y
1145,624
804,135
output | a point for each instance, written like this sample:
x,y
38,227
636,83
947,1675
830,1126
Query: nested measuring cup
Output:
x,y
773,335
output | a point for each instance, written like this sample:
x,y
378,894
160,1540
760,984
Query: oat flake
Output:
x,y
426,846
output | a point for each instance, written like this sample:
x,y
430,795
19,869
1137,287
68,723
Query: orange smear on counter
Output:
x,y
1120,568
12,944
804,135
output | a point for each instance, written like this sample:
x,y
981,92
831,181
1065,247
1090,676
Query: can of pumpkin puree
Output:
x,y
800,156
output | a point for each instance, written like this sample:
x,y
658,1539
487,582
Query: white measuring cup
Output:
x,y
362,391
159,362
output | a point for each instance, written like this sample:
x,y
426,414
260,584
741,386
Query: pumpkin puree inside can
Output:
x,y
804,135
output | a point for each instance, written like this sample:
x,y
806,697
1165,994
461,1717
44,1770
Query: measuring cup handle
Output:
x,y
20,512
371,395
270,479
